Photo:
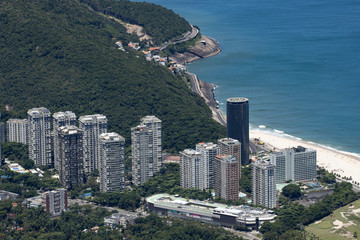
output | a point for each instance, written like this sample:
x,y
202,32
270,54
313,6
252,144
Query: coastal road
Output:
x,y
187,36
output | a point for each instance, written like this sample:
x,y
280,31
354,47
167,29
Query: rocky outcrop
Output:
x,y
204,47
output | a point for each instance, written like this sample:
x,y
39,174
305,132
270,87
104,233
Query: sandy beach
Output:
x,y
346,165
334,161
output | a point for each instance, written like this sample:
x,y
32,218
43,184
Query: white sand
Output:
x,y
344,164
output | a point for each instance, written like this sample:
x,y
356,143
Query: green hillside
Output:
x,y
60,54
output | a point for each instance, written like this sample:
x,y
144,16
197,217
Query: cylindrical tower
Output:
x,y
237,112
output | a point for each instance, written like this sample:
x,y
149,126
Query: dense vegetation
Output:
x,y
160,23
61,55
18,153
154,227
18,223
26,185
294,216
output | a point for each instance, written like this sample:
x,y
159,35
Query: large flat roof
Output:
x,y
207,208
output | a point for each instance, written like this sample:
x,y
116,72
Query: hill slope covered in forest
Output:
x,y
61,54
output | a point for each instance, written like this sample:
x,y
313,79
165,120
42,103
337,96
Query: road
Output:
x,y
187,36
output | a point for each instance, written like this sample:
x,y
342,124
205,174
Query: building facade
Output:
x,y
154,124
55,202
39,136
227,177
237,112
71,156
17,130
2,132
296,164
230,146
60,119
192,170
93,126
112,162
263,183
146,149
208,153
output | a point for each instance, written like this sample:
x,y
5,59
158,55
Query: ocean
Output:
x,y
298,62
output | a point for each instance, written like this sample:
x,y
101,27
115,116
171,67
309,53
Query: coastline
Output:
x,y
335,161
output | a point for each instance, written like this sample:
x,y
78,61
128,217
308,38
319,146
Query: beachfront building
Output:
x,y
39,138
208,153
237,113
17,130
227,177
146,149
296,164
230,146
60,119
93,126
263,183
112,162
192,170
208,212
71,156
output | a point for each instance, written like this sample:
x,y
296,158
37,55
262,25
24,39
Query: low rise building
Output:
x,y
8,195
209,212
119,219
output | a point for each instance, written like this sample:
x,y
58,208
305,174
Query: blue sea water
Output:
x,y
298,62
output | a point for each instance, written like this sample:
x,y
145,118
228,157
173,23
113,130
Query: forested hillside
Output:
x,y
160,23
60,54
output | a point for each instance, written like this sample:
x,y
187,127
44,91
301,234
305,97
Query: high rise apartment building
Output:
x,y
146,149
55,202
71,156
39,136
296,164
192,169
17,130
60,119
93,126
154,124
230,146
112,162
237,112
227,177
263,183
208,153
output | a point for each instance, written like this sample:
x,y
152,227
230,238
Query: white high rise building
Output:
x,y
112,162
154,125
146,149
39,136
60,119
296,164
208,152
17,130
192,169
263,183
93,126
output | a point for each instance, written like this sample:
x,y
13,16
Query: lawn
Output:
x,y
341,224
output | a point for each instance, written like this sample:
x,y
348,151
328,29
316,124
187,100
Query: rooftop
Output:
x,y
91,118
207,208
111,137
237,100
229,141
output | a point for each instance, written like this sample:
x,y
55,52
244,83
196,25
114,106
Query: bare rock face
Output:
x,y
204,47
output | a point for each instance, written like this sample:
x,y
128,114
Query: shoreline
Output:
x,y
333,160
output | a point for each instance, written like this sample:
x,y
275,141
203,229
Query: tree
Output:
x,y
292,191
